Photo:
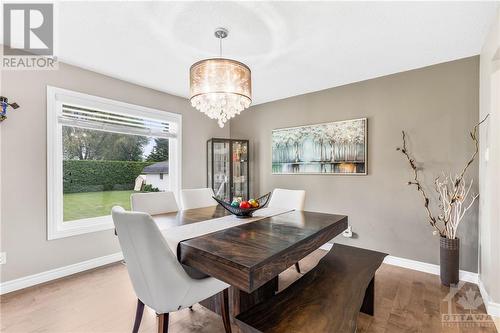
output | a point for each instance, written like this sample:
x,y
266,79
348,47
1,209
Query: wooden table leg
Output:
x,y
368,306
239,300
224,295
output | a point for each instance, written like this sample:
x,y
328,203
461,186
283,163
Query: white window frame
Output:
x,y
56,228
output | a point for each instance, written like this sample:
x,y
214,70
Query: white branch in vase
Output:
x,y
452,192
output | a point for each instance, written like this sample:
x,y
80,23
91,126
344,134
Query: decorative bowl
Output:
x,y
244,212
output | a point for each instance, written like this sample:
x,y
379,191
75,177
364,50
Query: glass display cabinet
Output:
x,y
228,169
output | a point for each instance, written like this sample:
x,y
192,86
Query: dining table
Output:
x,y
249,256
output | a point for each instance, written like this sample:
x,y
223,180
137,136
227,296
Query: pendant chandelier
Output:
x,y
220,88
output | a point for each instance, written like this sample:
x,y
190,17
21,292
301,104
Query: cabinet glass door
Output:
x,y
221,171
239,157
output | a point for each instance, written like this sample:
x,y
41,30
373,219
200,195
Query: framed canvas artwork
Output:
x,y
336,148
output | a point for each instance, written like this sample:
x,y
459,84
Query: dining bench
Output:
x,y
326,299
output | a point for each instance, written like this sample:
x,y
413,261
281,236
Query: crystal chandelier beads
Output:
x,y
220,88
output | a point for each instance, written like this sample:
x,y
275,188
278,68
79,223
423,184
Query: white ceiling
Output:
x,y
291,47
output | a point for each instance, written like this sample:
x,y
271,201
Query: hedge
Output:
x,y
97,176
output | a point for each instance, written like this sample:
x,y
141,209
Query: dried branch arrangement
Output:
x,y
454,195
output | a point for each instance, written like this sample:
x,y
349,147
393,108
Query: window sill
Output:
x,y
80,227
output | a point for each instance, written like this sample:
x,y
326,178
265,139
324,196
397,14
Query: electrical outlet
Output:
x,y
347,232
3,258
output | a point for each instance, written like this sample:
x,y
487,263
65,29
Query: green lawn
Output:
x,y
93,204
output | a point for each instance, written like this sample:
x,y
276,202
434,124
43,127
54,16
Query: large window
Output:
x,y
99,152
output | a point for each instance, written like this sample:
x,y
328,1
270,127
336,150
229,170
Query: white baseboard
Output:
x,y
492,308
31,280
419,266
428,268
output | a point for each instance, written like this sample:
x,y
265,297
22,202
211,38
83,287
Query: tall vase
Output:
x,y
449,260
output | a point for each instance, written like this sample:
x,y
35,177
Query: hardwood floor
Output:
x,y
103,300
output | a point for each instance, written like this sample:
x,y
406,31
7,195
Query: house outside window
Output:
x,y
157,176
97,151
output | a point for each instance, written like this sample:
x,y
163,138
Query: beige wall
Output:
x,y
489,181
23,164
437,105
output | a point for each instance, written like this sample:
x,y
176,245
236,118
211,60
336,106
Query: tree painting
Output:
x,y
337,148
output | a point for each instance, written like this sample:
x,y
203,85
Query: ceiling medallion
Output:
x,y
221,88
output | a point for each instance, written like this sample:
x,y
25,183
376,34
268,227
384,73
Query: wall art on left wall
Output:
x,y
336,148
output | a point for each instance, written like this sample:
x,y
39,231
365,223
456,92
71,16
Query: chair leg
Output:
x,y
163,323
224,309
138,316
297,267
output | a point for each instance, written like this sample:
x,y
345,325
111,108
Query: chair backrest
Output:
x,y
197,198
158,279
154,202
292,199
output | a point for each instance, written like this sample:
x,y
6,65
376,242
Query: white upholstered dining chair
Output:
x,y
158,278
291,199
197,198
154,203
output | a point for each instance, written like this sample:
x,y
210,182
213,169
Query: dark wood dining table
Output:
x,y
250,256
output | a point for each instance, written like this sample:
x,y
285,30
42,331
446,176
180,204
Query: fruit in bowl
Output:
x,y
254,203
245,205
244,208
